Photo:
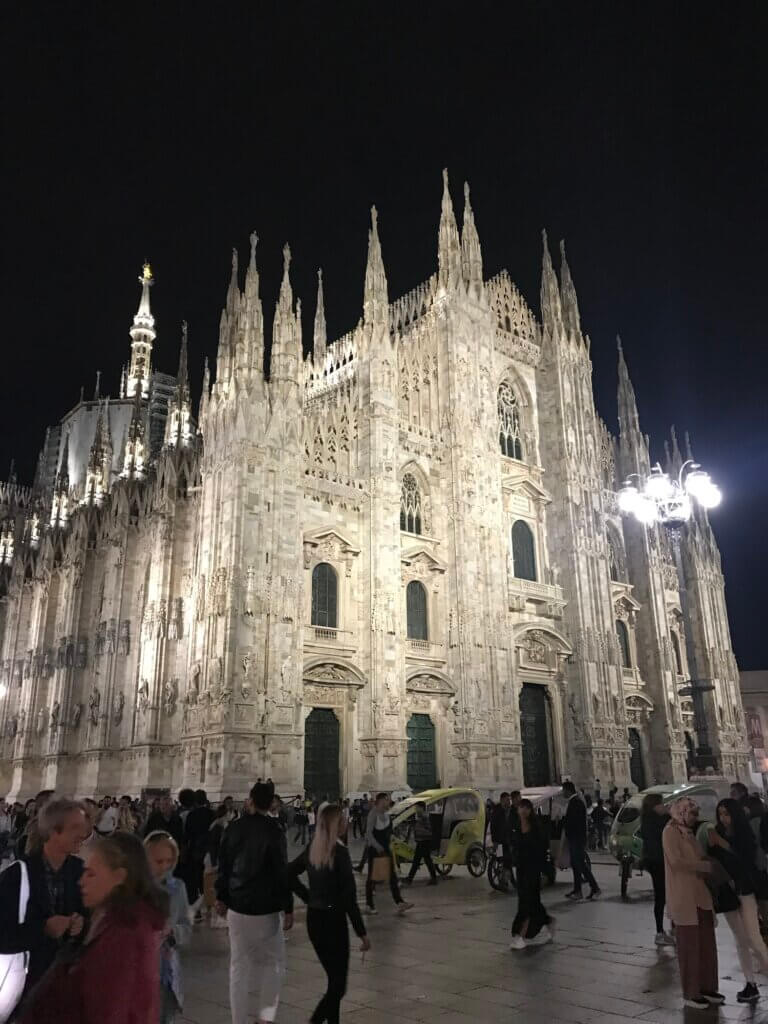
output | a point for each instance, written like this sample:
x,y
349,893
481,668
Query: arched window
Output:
x,y
623,634
325,589
416,609
615,558
676,652
410,505
523,551
509,423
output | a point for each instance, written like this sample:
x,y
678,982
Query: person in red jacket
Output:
x,y
114,977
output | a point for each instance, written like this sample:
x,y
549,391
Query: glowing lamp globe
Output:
x,y
659,486
711,496
697,483
628,498
645,510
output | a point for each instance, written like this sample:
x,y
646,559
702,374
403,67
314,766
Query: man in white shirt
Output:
x,y
107,822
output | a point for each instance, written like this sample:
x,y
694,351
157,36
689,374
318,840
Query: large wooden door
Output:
x,y
321,754
422,769
535,733
636,766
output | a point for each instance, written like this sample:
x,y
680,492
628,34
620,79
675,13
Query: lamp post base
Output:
x,y
705,762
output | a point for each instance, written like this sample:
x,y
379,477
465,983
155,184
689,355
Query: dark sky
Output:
x,y
171,130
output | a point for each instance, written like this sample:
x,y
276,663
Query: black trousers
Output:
x,y
370,885
423,852
329,935
580,869
656,871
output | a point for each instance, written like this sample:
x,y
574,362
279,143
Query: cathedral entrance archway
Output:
x,y
422,768
321,754
636,765
535,732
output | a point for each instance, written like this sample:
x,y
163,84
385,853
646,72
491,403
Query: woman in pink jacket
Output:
x,y
689,905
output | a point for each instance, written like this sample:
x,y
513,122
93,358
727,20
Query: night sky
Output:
x,y
170,130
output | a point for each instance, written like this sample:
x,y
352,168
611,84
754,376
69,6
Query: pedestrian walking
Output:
x,y
653,821
690,907
254,895
505,826
732,843
331,898
531,924
422,834
163,855
196,828
115,978
166,819
575,832
300,821
381,863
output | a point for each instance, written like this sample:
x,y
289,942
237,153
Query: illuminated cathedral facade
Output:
x,y
398,559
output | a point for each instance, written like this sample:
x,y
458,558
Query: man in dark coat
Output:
x,y
55,913
575,831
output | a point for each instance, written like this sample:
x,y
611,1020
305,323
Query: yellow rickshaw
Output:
x,y
457,816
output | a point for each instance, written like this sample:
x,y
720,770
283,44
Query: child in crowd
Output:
x,y
163,854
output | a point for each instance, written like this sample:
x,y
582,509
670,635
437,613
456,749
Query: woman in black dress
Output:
x,y
331,899
531,924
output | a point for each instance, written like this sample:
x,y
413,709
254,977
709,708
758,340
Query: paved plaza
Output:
x,y
448,961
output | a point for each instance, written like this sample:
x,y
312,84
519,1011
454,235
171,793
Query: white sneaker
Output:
x,y
541,938
518,942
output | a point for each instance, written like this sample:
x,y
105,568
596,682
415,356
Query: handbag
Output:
x,y
381,868
13,966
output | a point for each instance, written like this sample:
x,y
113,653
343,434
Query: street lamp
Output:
x,y
669,502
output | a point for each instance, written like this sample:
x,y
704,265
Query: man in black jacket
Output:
x,y
252,891
54,913
575,831
196,827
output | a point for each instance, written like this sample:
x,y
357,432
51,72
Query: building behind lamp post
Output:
x,y
398,559
754,694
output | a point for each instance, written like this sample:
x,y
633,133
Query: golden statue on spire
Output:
x,y
146,274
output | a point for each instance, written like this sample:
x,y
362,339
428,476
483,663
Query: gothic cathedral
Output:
x,y
397,560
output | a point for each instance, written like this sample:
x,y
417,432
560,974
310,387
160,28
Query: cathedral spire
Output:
x,y
286,330
99,468
205,393
320,334
471,255
60,500
252,273
178,427
134,447
142,335
448,247
570,305
375,299
551,311
233,292
629,419
97,388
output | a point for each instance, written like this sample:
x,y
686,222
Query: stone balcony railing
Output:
x,y
341,640
424,649
549,598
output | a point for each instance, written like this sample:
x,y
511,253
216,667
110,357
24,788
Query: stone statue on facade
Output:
x,y
94,704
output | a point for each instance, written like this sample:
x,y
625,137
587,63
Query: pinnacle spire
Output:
x,y
471,255
60,499
570,305
448,247
252,274
233,291
205,392
551,311
182,376
629,420
142,335
62,473
320,333
375,300
97,388
285,301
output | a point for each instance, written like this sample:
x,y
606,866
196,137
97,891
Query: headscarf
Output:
x,y
680,808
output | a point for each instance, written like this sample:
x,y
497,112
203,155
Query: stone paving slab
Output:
x,y
448,962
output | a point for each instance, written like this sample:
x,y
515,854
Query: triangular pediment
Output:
x,y
522,483
326,534
423,555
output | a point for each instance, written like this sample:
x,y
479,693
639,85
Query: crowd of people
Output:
x,y
115,886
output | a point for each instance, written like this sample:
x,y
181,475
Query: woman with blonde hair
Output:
x,y
330,898
690,907
163,854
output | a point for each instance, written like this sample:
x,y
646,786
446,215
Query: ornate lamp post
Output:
x,y
669,502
